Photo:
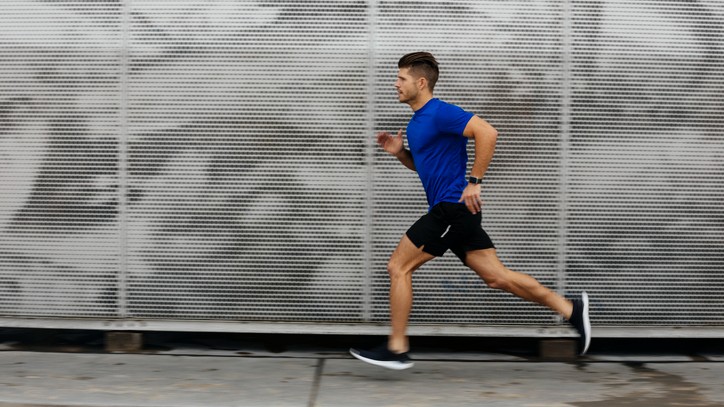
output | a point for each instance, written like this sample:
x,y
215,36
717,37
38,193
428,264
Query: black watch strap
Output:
x,y
475,180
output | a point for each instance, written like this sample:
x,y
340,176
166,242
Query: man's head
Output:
x,y
418,74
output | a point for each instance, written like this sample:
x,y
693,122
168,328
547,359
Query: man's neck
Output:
x,y
421,101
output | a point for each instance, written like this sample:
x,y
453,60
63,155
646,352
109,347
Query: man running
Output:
x,y
437,136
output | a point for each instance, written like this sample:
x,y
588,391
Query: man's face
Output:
x,y
406,86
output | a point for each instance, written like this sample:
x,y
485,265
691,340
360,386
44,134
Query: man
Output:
x,y
437,136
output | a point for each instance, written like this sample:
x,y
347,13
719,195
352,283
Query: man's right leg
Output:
x,y
404,261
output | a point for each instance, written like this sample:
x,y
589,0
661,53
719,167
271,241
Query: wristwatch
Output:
x,y
475,180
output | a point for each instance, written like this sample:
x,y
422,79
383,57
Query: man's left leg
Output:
x,y
487,265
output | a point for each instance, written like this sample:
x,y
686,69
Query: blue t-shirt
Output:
x,y
438,147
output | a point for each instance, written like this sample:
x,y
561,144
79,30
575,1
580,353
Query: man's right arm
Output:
x,y
395,146
405,157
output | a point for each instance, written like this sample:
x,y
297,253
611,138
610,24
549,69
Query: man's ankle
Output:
x,y
397,347
567,312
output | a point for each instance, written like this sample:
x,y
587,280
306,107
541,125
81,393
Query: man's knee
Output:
x,y
397,270
497,282
495,276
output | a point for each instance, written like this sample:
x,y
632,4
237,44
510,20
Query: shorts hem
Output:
x,y
425,248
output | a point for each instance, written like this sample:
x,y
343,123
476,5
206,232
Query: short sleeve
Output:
x,y
452,119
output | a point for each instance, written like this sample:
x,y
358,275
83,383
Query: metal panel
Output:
x,y
646,221
171,160
59,124
503,62
247,131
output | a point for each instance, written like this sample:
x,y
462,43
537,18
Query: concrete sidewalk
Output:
x,y
308,377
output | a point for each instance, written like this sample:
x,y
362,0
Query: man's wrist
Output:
x,y
475,180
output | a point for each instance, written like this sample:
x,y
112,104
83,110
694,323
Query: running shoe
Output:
x,y
581,322
381,356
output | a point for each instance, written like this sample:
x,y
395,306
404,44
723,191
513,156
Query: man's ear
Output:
x,y
421,83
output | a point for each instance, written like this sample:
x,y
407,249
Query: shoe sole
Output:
x,y
387,364
586,323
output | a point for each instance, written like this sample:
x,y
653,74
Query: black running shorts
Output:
x,y
449,226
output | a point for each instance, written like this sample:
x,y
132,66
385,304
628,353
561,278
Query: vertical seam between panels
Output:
x,y
123,163
565,140
369,164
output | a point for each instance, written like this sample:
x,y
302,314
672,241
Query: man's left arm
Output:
x,y
485,137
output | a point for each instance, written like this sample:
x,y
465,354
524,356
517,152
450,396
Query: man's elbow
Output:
x,y
493,133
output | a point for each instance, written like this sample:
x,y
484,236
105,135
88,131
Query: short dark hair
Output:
x,y
421,64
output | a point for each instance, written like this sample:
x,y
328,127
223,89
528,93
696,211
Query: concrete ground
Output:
x,y
228,371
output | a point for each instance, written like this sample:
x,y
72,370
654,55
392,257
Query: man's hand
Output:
x,y
471,197
389,143
395,146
